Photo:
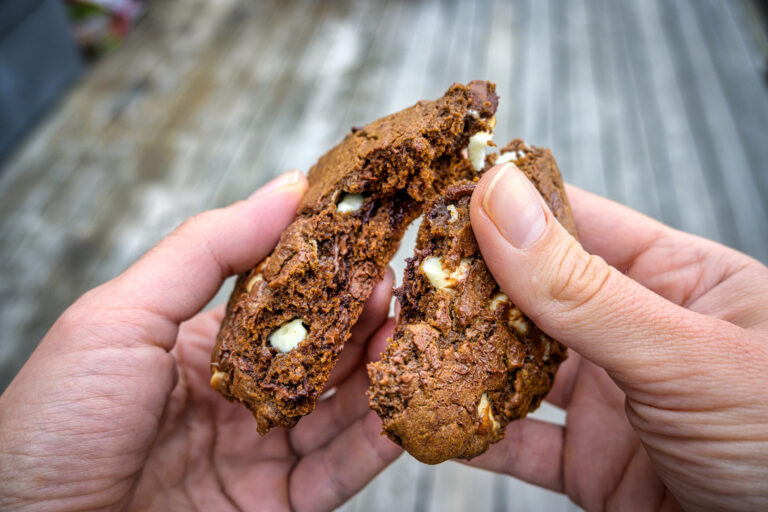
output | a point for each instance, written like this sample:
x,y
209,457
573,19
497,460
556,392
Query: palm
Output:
x,y
209,454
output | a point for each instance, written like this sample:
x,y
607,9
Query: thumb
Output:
x,y
574,296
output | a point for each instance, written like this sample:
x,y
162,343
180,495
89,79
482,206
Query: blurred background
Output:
x,y
121,118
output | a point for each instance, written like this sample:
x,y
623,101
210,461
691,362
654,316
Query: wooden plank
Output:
x,y
199,169
673,155
458,488
119,152
57,223
501,64
402,486
651,143
610,105
738,202
562,83
536,76
126,70
576,125
623,145
744,85
480,22
684,167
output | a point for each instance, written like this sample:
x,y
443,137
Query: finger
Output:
x,y
379,340
333,415
195,342
178,276
617,233
576,297
329,476
531,450
374,313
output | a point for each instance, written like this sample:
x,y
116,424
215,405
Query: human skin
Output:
x,y
113,409
665,388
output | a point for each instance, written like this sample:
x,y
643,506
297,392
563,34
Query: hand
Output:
x,y
114,410
666,385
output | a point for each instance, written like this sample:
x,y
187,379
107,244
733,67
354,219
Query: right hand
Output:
x,y
666,388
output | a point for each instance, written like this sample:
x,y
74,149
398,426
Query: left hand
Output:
x,y
114,409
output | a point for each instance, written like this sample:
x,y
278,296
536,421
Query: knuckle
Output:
x,y
69,324
79,316
191,224
205,220
578,277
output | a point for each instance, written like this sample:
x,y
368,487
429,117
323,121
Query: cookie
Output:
x,y
463,361
288,318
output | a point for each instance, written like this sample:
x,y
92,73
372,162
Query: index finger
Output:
x,y
613,231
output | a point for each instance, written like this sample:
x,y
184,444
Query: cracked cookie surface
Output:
x,y
463,361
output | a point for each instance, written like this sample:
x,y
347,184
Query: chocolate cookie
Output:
x,y
288,318
464,361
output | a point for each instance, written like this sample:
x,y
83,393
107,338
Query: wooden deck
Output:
x,y
661,105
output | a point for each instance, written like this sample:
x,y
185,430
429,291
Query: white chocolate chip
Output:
x,y
476,149
547,342
484,409
252,281
473,113
432,267
510,156
454,213
288,336
350,203
218,379
516,321
506,157
497,299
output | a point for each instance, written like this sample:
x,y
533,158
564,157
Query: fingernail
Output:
x,y
513,204
285,180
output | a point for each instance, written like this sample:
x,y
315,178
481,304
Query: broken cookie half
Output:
x,y
463,361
